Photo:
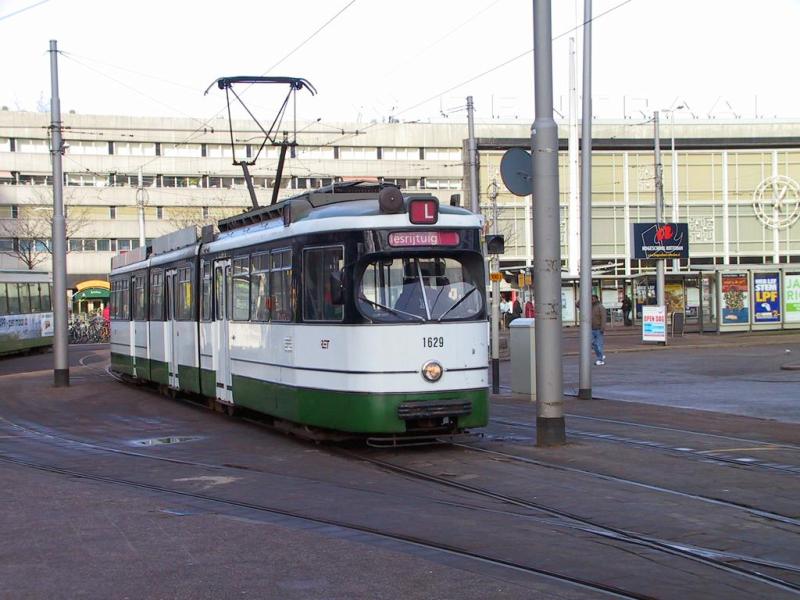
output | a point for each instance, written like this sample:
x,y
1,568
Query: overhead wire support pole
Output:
x,y
59,233
660,263
550,429
585,369
472,150
495,268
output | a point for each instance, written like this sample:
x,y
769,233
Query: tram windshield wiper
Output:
x,y
394,311
444,314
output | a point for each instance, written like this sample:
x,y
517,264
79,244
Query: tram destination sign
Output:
x,y
423,238
660,240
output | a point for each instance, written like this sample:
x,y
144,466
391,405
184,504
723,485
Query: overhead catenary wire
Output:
x,y
487,71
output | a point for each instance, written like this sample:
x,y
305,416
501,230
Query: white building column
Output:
x,y
626,197
726,225
776,233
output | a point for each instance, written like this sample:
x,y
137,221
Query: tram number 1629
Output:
x,y
433,342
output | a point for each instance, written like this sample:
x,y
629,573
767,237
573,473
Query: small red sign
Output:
x,y
423,212
424,238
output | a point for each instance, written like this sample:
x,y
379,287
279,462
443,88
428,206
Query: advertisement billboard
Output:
x,y
791,298
654,323
766,298
660,240
735,299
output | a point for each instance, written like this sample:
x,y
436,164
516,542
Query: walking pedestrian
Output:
x,y
598,327
516,309
626,310
505,311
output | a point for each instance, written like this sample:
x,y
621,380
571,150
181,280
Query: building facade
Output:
x,y
733,183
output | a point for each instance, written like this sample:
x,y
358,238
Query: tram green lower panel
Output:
x,y
149,370
348,411
122,363
9,344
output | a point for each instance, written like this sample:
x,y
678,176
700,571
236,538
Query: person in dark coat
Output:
x,y
626,310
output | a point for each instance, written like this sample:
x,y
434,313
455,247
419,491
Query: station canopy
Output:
x,y
95,289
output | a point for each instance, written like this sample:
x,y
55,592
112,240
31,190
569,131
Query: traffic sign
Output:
x,y
496,276
516,170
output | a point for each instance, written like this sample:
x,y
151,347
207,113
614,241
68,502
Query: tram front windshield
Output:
x,y
415,289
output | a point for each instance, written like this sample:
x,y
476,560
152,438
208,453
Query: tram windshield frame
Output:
x,y
414,288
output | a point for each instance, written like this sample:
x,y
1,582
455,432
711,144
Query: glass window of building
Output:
x,y
182,150
87,180
5,145
33,146
315,152
135,148
225,151
453,154
432,183
87,147
358,153
400,153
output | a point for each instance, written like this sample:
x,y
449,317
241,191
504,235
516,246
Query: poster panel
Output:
x,y
654,323
735,299
673,296
791,295
568,304
766,298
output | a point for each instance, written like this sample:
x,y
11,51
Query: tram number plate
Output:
x,y
433,342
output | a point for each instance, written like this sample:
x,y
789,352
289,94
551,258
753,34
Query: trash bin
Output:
x,y
523,357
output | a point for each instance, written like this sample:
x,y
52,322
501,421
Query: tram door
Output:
x,y
170,328
221,345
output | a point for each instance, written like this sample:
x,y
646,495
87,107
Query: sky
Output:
x,y
409,60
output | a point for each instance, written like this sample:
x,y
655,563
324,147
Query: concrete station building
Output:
x,y
733,182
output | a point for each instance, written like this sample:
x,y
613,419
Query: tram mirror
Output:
x,y
336,285
495,244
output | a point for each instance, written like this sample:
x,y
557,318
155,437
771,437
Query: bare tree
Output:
x,y
181,217
32,230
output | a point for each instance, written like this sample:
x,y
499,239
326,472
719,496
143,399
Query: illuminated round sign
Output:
x,y
776,202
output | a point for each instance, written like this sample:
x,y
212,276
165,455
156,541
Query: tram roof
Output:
x,y
348,196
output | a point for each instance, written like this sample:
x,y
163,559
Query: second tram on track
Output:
x,y
352,308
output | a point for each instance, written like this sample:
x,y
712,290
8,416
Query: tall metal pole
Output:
x,y
573,208
659,211
585,375
473,158
140,205
495,268
546,238
60,350
676,263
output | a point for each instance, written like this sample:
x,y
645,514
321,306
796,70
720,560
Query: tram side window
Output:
x,y
205,313
281,285
3,299
125,300
184,300
157,296
24,299
44,290
259,287
139,299
13,299
36,299
241,289
120,300
322,268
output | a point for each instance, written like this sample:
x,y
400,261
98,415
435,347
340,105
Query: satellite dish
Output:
x,y
516,169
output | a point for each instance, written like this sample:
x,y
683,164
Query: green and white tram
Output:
x,y
26,312
352,308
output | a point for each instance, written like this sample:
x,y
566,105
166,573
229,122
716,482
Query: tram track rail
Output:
x,y
704,455
700,555
713,558
553,576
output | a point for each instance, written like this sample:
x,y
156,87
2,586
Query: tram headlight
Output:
x,y
432,371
